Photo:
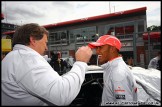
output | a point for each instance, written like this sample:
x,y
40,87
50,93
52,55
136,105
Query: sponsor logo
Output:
x,y
119,90
119,96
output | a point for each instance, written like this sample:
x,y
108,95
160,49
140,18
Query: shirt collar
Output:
x,y
23,47
108,64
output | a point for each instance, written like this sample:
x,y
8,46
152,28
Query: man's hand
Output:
x,y
83,54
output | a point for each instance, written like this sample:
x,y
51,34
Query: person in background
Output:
x,y
154,62
62,64
28,79
58,64
54,58
130,61
119,83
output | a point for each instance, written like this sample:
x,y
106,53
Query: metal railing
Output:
x,y
146,45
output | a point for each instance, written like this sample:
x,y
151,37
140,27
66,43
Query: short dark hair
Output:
x,y
23,33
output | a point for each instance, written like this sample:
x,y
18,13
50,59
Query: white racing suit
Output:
x,y
120,87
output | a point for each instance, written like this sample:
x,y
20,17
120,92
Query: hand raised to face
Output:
x,y
83,54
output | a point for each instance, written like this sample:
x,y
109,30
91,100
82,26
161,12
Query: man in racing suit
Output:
x,y
119,84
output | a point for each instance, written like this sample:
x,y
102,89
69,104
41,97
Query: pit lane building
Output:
x,y
128,26
125,25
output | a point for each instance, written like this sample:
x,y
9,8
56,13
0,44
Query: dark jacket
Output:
x,y
58,66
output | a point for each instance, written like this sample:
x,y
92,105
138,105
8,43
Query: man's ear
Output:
x,y
32,41
113,49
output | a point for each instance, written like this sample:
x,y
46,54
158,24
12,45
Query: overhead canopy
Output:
x,y
153,35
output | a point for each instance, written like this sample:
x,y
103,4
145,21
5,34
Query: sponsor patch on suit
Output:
x,y
119,96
